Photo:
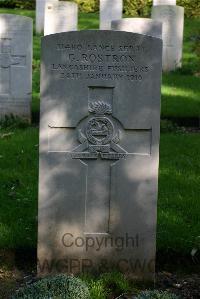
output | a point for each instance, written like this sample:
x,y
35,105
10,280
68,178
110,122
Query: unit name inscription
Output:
x,y
103,61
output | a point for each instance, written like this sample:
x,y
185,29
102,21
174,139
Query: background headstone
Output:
x,y
15,65
99,152
164,2
40,9
110,10
138,25
60,17
172,18
40,12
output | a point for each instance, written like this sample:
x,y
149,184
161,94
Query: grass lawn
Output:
x,y
179,181
181,89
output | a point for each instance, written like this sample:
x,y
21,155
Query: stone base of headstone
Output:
x,y
138,25
172,18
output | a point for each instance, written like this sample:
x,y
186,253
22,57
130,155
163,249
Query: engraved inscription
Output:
x,y
101,61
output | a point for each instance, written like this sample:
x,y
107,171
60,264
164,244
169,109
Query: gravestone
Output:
x,y
40,12
172,18
40,9
15,65
164,2
110,10
99,152
138,25
60,17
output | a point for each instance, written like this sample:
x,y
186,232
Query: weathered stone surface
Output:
x,y
60,17
138,25
99,151
164,2
15,65
172,18
110,10
40,12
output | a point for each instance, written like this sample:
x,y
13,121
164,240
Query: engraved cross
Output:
x,y
99,137
7,60
103,142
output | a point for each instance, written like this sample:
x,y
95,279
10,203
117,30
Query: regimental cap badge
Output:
x,y
100,108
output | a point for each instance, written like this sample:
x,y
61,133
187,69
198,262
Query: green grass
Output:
x,y
18,185
109,285
181,89
179,181
179,188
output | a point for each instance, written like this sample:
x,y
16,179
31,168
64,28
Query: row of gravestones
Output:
x,y
62,16
16,43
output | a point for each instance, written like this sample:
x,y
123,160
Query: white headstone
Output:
x,y
99,152
40,10
164,2
172,18
110,10
15,65
60,17
138,25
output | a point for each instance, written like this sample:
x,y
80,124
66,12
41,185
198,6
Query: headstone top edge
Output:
x,y
13,16
66,3
170,6
148,20
99,32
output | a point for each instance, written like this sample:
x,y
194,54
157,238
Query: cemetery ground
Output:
x,y
179,183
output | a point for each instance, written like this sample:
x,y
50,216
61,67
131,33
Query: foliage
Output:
x,y
137,8
192,8
88,5
57,287
23,4
115,282
12,122
156,295
108,285
141,8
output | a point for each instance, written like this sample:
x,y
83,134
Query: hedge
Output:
x,y
134,8
141,8
24,4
